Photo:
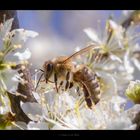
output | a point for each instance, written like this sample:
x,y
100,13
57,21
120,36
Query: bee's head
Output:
x,y
48,69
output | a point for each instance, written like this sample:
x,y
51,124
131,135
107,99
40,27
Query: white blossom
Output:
x,y
102,41
22,35
61,111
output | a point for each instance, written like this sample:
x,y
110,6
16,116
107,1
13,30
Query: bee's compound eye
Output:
x,y
49,67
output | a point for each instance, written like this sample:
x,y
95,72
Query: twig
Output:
x,y
134,17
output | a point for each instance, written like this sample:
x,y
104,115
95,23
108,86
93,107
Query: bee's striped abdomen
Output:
x,y
91,86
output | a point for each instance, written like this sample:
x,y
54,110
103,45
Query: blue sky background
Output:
x,y
30,19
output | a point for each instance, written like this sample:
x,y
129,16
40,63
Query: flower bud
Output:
x,y
133,91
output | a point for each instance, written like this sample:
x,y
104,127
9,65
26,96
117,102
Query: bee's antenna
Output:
x,y
37,71
41,70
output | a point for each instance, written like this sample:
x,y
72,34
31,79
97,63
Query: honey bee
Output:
x,y
63,69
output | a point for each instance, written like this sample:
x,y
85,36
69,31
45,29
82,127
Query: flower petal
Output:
x,y
23,56
6,27
109,89
118,31
19,126
37,126
92,35
32,110
115,58
137,63
128,66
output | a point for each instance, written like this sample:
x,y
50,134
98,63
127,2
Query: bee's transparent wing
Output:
x,y
86,49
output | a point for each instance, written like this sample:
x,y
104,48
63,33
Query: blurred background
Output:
x,y
60,31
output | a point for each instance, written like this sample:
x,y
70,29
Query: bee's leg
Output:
x,y
60,85
55,80
67,80
67,85
71,85
68,76
77,90
87,97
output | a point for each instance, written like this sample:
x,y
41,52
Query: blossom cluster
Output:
x,y
11,41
